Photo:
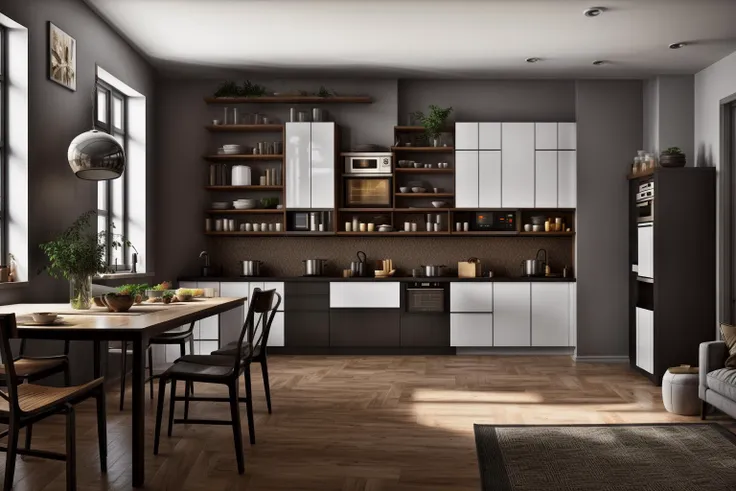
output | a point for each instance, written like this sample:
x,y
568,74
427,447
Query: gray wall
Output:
x,y
491,100
56,116
609,117
669,114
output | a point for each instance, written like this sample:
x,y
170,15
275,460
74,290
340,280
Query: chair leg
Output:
x,y
150,370
159,414
237,430
187,384
703,409
102,428
13,429
171,406
123,369
266,385
29,433
71,450
191,352
249,406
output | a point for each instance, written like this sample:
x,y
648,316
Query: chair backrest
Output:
x,y
257,325
8,331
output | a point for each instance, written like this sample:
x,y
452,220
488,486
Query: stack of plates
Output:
x,y
244,204
232,149
220,205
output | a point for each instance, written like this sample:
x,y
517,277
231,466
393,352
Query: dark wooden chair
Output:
x,y
182,338
24,404
31,369
223,370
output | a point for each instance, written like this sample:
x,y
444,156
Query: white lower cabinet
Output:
x,y
512,314
245,289
471,296
365,295
276,336
645,339
550,314
471,330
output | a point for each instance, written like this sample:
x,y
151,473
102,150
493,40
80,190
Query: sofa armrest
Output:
x,y
712,357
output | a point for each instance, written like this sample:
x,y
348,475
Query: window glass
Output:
x,y
101,106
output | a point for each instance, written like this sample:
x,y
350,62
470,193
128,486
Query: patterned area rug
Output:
x,y
662,457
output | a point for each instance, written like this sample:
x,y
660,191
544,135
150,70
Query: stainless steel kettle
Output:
x,y
534,267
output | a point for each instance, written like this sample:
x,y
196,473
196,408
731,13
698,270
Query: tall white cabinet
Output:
x,y
310,165
515,165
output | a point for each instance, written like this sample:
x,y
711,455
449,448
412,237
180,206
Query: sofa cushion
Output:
x,y
728,332
723,381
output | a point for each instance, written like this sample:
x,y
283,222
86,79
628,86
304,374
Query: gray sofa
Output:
x,y
717,385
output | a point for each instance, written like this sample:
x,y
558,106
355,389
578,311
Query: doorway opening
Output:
x,y
727,253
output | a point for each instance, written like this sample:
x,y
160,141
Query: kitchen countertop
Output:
x,y
393,278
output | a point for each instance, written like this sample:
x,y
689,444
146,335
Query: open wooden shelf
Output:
x,y
229,158
366,210
252,211
393,234
244,188
489,233
291,99
423,210
245,128
547,234
419,129
425,195
421,170
424,149
244,234
308,233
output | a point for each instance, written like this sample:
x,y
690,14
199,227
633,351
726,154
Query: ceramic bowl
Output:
x,y
439,204
118,303
44,317
98,301
404,189
418,165
418,190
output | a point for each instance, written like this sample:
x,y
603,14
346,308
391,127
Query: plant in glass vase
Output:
x,y
434,122
78,254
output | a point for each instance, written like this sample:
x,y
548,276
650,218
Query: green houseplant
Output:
x,y
672,157
434,122
77,254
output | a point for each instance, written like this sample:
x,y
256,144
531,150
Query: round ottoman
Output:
x,y
680,391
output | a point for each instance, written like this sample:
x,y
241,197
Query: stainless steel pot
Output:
x,y
434,270
251,268
314,267
534,267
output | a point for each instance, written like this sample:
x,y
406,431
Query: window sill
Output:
x,y
121,276
12,285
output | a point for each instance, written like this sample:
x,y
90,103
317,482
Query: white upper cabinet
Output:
x,y
546,136
489,179
550,314
567,138
489,136
466,179
567,178
323,165
545,180
298,165
471,296
466,136
517,154
512,314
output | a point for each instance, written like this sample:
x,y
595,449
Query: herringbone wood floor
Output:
x,y
356,423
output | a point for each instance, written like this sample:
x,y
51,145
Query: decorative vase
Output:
x,y
80,292
436,141
672,160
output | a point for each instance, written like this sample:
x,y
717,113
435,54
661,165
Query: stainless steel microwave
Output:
x,y
368,162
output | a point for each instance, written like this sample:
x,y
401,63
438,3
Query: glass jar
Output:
x,y
80,292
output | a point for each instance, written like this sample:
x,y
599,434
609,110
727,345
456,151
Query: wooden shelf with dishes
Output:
x,y
432,170
245,128
423,149
424,195
244,188
249,211
249,157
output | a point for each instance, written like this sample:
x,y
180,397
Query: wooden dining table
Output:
x,y
136,327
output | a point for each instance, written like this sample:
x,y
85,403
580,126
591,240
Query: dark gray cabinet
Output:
x,y
425,330
365,328
307,329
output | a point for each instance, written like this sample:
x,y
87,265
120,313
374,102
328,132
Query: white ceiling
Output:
x,y
429,38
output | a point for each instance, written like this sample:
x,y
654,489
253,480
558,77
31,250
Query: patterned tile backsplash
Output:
x,y
282,256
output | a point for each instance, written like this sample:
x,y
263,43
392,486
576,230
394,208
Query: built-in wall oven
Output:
x,y
426,296
645,202
363,191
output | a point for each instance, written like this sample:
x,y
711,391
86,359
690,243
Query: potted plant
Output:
x,y
168,296
135,291
672,157
434,122
77,254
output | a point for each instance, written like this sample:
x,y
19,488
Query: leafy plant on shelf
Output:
x,y
325,92
673,151
434,122
232,89
133,290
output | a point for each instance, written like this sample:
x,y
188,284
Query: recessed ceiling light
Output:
x,y
533,59
593,11
677,45
599,62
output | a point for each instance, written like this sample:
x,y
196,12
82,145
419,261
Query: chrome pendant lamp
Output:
x,y
95,155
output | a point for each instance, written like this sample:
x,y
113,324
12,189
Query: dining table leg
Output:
x,y
139,421
97,367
